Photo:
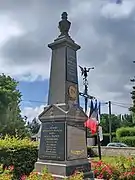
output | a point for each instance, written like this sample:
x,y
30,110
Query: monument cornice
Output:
x,y
64,41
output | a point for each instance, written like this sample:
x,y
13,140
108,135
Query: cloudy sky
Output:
x,y
105,30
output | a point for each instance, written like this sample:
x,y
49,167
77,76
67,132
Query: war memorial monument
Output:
x,y
62,144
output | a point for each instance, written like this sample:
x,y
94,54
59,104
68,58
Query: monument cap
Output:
x,y
64,25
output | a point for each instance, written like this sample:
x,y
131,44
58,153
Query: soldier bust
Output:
x,y
64,25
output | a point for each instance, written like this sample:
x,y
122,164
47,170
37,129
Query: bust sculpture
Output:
x,y
64,25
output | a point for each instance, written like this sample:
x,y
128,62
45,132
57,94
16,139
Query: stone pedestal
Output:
x,y
63,146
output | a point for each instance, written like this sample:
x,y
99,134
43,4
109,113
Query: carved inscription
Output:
x,y
52,143
71,66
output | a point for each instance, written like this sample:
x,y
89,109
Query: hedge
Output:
x,y
22,154
125,131
130,141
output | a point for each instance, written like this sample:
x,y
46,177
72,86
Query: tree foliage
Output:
x,y
20,153
33,126
127,120
117,121
132,109
11,121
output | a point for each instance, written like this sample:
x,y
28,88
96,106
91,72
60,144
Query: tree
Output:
x,y
132,109
34,126
127,120
11,122
104,121
117,121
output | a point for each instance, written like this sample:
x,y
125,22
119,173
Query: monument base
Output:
x,y
62,147
63,170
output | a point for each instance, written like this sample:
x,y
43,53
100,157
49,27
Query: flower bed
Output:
x,y
124,169
104,171
7,174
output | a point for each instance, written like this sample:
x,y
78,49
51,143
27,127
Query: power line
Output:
x,y
127,107
104,103
122,103
34,101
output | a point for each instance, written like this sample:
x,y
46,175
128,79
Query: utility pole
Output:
x,y
110,121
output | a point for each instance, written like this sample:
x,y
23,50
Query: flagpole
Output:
x,y
98,137
98,142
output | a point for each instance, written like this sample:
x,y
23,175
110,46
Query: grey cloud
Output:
x,y
107,43
41,27
24,50
116,40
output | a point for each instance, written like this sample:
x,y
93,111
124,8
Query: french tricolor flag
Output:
x,y
92,122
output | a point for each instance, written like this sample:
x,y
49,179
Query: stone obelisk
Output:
x,y
62,144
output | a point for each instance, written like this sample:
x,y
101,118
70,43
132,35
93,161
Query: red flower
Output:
x,y
23,177
95,171
11,167
100,176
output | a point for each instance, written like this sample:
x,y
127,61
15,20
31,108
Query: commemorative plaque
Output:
x,y
71,74
52,146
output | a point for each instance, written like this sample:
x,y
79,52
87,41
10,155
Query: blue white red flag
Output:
x,y
92,121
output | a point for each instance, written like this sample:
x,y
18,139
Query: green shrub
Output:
x,y
22,154
125,131
114,139
130,141
15,142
